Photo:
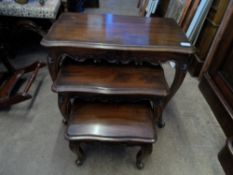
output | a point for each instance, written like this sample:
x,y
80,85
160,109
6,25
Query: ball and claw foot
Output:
x,y
80,156
76,148
161,124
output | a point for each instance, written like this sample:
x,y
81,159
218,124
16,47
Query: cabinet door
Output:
x,y
222,67
224,76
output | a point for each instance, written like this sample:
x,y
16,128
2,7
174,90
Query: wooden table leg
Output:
x,y
76,148
181,70
144,152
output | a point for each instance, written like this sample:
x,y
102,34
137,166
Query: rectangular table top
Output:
x,y
116,32
32,9
126,80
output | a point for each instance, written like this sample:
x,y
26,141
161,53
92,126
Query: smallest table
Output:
x,y
130,124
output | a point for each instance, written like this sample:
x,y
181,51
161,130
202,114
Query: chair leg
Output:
x,y
76,148
143,153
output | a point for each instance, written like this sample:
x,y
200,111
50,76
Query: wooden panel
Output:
x,y
205,39
111,122
224,76
218,104
227,66
217,11
195,66
225,156
162,8
185,11
208,33
91,3
8,85
108,79
216,83
142,4
187,21
117,32
210,27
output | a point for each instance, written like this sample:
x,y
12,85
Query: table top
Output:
x,y
121,122
126,80
32,9
116,32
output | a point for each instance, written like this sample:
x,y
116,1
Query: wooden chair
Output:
x,y
9,79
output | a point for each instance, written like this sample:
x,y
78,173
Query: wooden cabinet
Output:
x,y
217,81
225,156
208,34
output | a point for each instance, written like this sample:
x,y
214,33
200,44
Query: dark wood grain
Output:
x,y
111,122
188,18
108,75
117,32
207,35
111,79
225,156
217,81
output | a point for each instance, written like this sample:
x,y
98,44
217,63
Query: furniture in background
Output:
x,y
187,19
79,5
10,78
75,5
217,81
201,30
207,35
147,7
162,8
110,83
217,84
33,9
15,17
142,4
26,1
225,156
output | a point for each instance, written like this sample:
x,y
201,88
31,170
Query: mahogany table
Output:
x,y
107,72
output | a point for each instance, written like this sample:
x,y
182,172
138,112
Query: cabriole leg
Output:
x,y
143,153
76,148
64,106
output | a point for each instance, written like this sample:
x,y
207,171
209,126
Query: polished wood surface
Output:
x,y
111,79
115,64
117,32
78,46
120,122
